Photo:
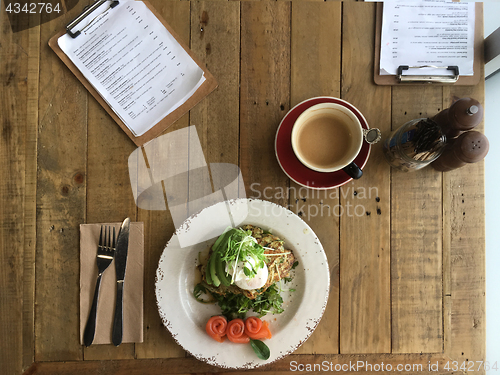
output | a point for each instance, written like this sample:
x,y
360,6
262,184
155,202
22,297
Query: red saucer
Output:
x,y
291,165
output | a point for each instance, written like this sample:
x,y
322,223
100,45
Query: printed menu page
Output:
x,y
429,32
135,64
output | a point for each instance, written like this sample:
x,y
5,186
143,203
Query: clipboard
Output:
x,y
206,88
458,80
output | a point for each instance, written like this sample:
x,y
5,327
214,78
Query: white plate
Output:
x,y
185,317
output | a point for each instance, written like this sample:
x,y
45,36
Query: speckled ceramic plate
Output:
x,y
185,317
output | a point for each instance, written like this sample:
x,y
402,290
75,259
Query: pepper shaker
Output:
x,y
463,115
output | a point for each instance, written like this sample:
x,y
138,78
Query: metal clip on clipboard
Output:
x,y
86,12
428,78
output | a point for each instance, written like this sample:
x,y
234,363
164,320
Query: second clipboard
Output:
x,y
460,81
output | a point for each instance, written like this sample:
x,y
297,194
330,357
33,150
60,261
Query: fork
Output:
x,y
105,255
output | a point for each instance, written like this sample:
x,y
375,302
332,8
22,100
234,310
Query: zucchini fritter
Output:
x,y
279,262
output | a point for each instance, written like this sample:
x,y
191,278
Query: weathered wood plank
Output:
x,y
315,50
265,91
215,39
416,237
14,67
370,364
109,196
464,296
464,239
30,192
158,225
365,300
61,192
315,71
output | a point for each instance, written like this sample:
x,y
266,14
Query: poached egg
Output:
x,y
244,282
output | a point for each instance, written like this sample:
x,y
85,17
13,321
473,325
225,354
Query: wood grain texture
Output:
x,y
315,71
159,225
464,238
61,201
265,92
30,191
315,50
49,184
416,223
14,66
109,196
215,38
365,295
369,364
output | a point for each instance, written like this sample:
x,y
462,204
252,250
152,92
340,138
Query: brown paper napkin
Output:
x,y
133,287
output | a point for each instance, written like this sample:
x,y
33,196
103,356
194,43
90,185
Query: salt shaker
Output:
x,y
469,147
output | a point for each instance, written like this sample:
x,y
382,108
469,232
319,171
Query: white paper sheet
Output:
x,y
429,32
134,63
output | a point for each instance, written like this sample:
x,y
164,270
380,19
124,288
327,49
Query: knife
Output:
x,y
120,266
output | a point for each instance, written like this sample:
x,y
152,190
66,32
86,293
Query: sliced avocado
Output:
x,y
213,273
208,277
220,269
221,243
218,241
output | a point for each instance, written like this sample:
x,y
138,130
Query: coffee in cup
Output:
x,y
327,137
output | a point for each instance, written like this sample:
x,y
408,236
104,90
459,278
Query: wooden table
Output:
x,y
407,275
